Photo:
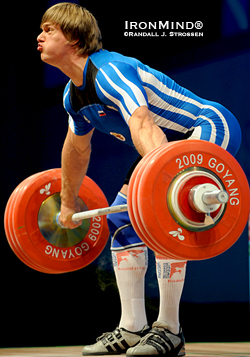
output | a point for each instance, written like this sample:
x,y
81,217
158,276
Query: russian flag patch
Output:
x,y
101,113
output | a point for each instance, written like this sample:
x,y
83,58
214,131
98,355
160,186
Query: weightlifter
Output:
x,y
144,108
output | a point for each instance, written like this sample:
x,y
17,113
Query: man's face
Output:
x,y
52,44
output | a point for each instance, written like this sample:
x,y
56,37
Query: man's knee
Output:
x,y
122,233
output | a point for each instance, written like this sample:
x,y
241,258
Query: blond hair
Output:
x,y
77,24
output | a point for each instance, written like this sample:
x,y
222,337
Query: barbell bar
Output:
x,y
208,198
93,213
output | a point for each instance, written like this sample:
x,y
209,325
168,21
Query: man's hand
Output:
x,y
66,216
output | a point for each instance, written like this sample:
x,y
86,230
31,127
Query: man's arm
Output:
x,y
75,159
146,135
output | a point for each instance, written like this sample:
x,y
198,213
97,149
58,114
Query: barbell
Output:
x,y
186,200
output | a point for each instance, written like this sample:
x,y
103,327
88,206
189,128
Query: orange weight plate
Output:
x,y
48,246
153,239
67,255
19,250
14,244
132,203
8,226
153,207
133,199
27,259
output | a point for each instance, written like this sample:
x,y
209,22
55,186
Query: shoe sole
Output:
x,y
182,353
104,353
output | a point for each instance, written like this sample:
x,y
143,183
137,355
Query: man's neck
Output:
x,y
74,68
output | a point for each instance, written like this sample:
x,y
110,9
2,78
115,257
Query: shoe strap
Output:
x,y
159,336
113,341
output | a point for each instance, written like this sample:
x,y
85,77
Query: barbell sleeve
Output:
x,y
215,197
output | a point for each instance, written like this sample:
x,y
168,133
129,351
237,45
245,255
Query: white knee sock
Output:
x,y
171,276
130,267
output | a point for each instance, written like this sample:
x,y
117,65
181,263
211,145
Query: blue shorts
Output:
x,y
127,237
218,125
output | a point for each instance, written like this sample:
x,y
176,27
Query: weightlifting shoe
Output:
x,y
159,341
116,342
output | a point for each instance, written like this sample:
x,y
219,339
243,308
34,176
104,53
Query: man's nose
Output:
x,y
40,37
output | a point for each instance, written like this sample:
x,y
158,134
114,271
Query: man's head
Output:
x,y
78,26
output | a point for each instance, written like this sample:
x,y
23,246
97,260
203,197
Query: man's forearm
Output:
x,y
74,167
